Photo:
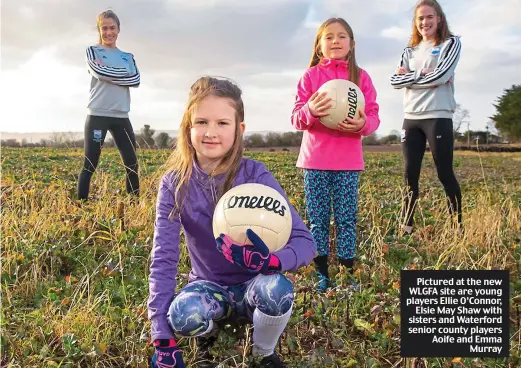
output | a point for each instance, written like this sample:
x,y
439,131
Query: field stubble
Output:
x,y
74,277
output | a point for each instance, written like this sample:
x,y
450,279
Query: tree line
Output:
x,y
149,140
504,126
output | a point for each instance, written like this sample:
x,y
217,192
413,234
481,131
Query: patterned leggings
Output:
x,y
201,303
342,188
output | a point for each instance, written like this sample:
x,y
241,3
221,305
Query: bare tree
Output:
x,y
162,140
63,139
254,140
370,140
56,139
69,138
461,117
273,139
146,138
10,143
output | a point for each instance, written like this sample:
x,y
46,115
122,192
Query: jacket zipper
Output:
x,y
212,190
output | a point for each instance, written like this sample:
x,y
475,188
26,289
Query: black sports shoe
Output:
x,y
272,361
204,358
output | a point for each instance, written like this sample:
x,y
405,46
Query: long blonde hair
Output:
x,y
181,160
316,56
99,21
442,29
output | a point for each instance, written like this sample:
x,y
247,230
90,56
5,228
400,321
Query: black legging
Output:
x,y
441,142
96,128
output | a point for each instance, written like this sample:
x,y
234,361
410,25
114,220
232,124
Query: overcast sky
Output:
x,y
264,45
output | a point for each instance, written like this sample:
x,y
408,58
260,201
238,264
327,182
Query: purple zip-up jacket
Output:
x,y
207,262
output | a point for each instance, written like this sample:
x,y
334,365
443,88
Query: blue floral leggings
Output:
x,y
201,305
340,187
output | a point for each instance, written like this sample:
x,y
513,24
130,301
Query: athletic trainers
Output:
x,y
271,361
322,272
323,283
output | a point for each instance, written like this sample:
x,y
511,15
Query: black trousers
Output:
x,y
96,128
441,142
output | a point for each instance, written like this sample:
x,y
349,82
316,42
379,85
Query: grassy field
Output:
x,y
74,278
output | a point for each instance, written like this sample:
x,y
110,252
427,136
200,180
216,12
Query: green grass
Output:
x,y
74,278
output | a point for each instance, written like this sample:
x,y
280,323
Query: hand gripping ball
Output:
x,y
255,206
346,101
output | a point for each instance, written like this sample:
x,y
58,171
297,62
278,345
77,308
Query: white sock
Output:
x,y
267,331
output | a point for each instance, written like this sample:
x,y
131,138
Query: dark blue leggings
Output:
x,y
201,303
96,128
439,133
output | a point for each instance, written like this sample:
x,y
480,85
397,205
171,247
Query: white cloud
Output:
x,y
27,12
396,33
41,94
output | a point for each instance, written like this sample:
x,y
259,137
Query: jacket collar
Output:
x,y
332,63
202,176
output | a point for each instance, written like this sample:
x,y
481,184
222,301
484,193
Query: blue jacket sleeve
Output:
x,y
442,74
445,68
405,80
133,80
118,76
100,71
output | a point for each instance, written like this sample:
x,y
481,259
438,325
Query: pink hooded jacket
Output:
x,y
328,149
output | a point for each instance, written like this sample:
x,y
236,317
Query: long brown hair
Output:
x,y
442,29
316,56
99,21
181,160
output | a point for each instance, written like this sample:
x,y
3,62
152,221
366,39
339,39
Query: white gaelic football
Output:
x,y
257,207
346,101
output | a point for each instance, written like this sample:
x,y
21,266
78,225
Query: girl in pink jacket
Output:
x,y
332,158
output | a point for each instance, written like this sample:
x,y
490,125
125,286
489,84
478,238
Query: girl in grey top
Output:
x,y
113,72
426,73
